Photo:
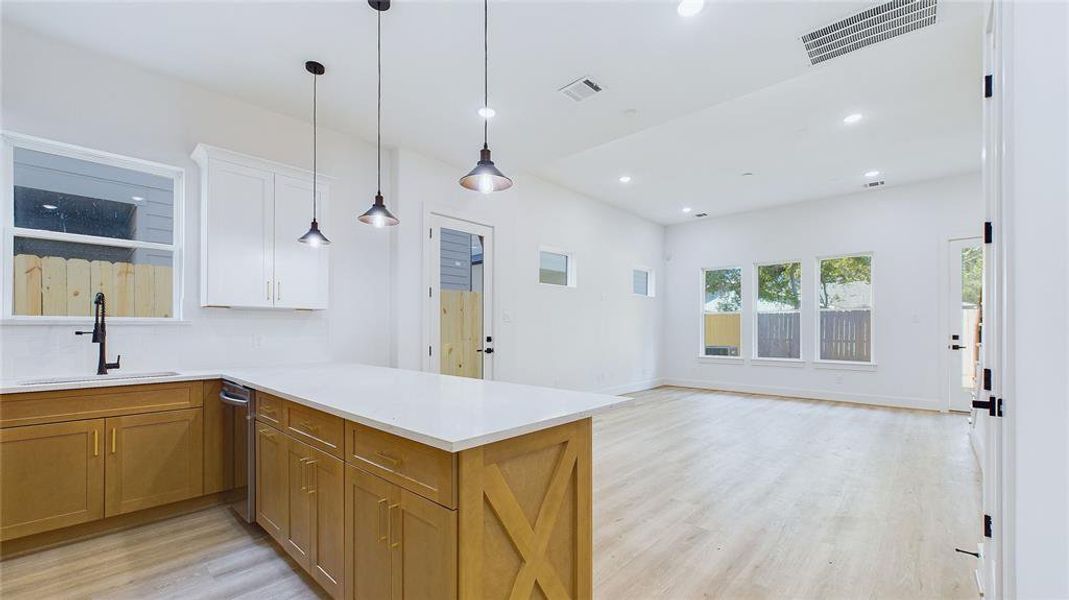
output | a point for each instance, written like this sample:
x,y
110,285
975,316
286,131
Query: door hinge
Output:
x,y
989,232
988,527
992,405
430,233
429,349
430,292
989,86
987,379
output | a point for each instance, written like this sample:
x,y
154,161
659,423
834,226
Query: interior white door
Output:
x,y
238,222
301,271
966,264
459,303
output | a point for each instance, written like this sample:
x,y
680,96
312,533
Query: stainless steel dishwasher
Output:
x,y
243,400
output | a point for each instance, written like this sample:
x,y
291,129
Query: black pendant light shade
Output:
x,y
486,177
378,215
314,237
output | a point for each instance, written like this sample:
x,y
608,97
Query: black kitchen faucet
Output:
x,y
100,336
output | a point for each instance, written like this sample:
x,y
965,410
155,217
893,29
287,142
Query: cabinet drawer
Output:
x,y
73,405
269,409
316,428
419,468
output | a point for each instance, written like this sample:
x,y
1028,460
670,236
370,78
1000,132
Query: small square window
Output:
x,y
556,268
642,282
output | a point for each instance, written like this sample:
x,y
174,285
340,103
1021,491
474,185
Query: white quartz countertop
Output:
x,y
450,413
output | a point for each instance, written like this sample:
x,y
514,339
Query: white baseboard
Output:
x,y
868,399
635,386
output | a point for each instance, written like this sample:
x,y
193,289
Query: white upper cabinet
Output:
x,y
252,212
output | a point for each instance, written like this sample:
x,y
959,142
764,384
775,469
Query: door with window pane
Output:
x,y
460,298
778,333
966,279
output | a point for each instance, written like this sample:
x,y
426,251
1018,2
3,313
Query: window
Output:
x,y
722,312
84,222
779,324
845,322
642,282
556,268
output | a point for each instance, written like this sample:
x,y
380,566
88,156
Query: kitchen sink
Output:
x,y
86,378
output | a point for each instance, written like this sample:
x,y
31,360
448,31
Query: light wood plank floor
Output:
x,y
697,495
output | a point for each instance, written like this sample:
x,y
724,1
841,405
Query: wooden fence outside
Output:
x,y
778,335
846,335
56,286
461,330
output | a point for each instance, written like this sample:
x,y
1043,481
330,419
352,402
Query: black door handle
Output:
x,y
487,350
956,347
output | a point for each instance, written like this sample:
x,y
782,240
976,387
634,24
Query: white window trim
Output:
x,y
741,358
844,364
571,274
12,140
775,360
651,282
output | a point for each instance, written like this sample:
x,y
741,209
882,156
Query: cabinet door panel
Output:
x,y
238,230
272,482
299,533
153,459
51,476
300,270
425,561
367,552
327,490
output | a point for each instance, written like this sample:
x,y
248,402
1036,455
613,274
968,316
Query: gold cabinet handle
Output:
x,y
384,517
394,543
314,484
113,436
310,426
393,460
96,442
304,478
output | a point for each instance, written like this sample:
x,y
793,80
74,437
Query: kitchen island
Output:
x,y
379,482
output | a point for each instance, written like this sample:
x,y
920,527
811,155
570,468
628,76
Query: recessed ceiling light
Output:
x,y
137,198
689,8
686,209
487,113
853,118
49,206
872,173
625,179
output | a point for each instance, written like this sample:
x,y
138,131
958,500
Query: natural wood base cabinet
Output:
x,y
51,476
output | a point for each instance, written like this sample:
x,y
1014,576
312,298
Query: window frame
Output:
x,y
844,364
651,282
570,274
13,140
741,358
774,360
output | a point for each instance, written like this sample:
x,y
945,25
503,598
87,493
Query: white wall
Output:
x,y
906,228
596,336
55,91
1037,227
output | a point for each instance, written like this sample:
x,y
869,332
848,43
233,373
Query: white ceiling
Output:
x,y
688,105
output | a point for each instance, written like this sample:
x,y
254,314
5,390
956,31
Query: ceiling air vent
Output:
x,y
580,89
868,27
873,184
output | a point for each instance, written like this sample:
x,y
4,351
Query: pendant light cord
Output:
x,y
378,123
486,68
315,143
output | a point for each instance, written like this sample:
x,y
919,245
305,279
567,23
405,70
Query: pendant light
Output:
x,y
378,215
314,237
485,177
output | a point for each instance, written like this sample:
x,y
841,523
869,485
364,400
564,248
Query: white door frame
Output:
x,y
432,332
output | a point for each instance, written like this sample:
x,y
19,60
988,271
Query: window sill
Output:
x,y
88,321
724,360
778,362
843,365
